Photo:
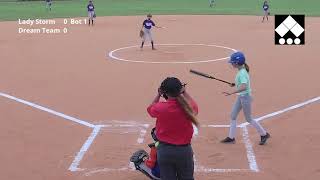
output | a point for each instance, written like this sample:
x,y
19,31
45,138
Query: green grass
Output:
x,y
76,8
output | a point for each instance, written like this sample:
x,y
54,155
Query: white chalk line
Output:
x,y
111,55
50,111
125,125
105,170
249,148
284,110
202,169
198,169
211,170
75,164
195,130
216,126
96,128
143,133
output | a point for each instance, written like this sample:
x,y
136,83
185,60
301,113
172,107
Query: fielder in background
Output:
x,y
266,11
211,3
48,4
243,102
145,32
91,13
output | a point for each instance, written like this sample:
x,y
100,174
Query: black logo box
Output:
x,y
300,18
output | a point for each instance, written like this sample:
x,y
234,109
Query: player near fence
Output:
x,y
48,4
145,32
91,12
175,117
211,3
266,11
243,102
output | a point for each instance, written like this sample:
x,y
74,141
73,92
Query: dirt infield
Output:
x,y
69,111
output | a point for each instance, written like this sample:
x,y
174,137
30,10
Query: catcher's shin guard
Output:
x,y
146,171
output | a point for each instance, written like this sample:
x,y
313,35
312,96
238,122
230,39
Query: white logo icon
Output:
x,y
289,24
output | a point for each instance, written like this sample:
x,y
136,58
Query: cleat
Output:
x,y
228,140
264,139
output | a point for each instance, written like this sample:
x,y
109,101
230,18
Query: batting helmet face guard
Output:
x,y
237,58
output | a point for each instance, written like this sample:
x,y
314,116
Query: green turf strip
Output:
x,y
76,8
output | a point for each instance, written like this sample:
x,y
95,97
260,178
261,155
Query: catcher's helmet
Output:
x,y
171,86
237,58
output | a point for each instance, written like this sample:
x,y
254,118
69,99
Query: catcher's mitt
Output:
x,y
141,34
138,156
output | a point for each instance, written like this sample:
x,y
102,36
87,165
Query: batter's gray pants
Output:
x,y
243,102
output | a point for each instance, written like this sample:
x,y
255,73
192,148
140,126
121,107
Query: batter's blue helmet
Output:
x,y
237,58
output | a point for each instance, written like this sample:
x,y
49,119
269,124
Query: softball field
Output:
x,y
73,104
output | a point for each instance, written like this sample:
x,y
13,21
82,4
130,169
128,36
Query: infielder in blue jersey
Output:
x,y
146,28
91,13
265,10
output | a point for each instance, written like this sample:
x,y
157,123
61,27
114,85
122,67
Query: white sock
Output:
x,y
258,127
233,129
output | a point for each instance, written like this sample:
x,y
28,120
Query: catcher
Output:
x,y
145,163
145,32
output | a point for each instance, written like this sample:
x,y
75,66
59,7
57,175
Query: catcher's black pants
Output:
x,y
175,162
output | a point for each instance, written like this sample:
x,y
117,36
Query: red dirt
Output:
x,y
70,73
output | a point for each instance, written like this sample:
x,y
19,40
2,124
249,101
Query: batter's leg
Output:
x,y
233,123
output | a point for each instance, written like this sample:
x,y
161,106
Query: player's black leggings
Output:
x,y
176,162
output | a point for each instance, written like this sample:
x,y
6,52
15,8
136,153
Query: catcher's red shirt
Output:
x,y
173,124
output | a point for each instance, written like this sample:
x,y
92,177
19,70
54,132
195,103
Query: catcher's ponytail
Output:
x,y
188,110
247,67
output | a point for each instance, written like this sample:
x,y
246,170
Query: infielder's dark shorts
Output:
x,y
176,162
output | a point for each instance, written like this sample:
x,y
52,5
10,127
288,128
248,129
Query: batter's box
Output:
x,y
113,146
213,156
